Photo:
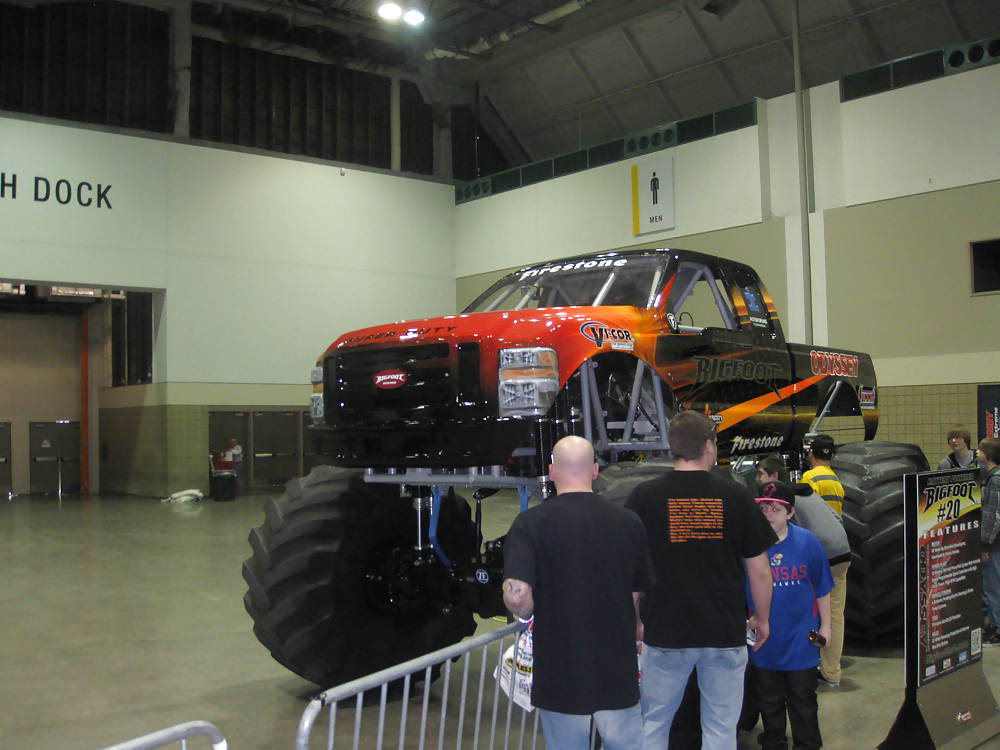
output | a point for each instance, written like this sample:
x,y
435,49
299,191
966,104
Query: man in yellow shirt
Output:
x,y
824,482
821,477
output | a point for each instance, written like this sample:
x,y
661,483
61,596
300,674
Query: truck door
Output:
x,y
725,355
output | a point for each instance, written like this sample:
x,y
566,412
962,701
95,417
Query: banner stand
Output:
x,y
909,730
948,704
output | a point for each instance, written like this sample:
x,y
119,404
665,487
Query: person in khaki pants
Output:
x,y
816,515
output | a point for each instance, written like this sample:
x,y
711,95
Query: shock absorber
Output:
x,y
421,504
543,454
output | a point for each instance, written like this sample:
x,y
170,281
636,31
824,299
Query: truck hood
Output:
x,y
520,327
577,333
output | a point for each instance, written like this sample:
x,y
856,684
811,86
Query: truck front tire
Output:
x,y
307,591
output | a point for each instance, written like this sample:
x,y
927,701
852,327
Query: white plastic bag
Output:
x,y
185,496
524,645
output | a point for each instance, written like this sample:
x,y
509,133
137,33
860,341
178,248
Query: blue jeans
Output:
x,y
665,672
620,730
991,583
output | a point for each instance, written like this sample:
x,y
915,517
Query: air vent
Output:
x,y
538,172
606,153
631,146
654,139
506,181
919,68
569,163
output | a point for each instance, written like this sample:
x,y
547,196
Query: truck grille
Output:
x,y
438,379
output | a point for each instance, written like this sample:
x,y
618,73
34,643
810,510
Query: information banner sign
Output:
x,y
989,411
948,703
950,620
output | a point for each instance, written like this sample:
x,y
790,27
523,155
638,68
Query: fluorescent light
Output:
x,y
413,17
390,11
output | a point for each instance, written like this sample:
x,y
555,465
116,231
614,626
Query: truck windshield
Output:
x,y
601,280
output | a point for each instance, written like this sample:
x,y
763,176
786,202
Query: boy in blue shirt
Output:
x,y
783,672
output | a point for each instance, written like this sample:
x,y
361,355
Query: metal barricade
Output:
x,y
494,722
180,733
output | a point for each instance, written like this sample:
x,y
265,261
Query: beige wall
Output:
x,y
899,280
39,379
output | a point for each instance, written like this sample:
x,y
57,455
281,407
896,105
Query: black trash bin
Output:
x,y
223,481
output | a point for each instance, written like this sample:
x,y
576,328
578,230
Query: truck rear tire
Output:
x,y
306,577
872,473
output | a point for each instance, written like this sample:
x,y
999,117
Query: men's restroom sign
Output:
x,y
652,195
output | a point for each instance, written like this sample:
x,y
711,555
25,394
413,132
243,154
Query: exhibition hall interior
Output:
x,y
296,297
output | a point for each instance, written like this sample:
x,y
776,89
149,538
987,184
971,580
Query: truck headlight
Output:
x,y
529,380
316,399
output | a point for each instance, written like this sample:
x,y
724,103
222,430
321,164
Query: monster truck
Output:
x,y
375,558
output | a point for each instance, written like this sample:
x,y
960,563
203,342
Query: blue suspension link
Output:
x,y
525,495
432,532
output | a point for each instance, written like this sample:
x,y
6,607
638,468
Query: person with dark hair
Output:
x,y
578,564
962,456
707,538
783,672
816,516
773,468
821,477
989,457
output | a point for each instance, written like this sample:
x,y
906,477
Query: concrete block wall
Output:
x,y
154,450
187,448
923,414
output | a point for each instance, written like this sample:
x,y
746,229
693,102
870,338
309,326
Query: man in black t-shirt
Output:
x,y
578,564
707,539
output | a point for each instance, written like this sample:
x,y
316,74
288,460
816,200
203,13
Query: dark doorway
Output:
x,y
54,451
276,446
5,483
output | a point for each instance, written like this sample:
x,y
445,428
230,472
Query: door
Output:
x,y
54,453
275,446
5,483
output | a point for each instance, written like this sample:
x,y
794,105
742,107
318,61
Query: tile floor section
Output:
x,y
121,616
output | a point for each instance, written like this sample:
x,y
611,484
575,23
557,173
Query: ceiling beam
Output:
x,y
717,63
500,12
674,112
544,102
697,66
593,21
956,22
863,37
773,23
608,109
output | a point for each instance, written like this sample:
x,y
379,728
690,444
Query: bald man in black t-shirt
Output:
x,y
578,564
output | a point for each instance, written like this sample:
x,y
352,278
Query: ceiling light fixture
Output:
x,y
414,17
390,11
412,12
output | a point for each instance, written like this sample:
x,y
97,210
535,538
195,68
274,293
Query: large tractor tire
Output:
x,y
316,590
872,475
616,482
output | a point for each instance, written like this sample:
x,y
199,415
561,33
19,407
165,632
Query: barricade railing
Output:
x,y
479,715
179,733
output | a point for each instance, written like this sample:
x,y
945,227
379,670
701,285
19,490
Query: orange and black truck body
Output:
x,y
556,344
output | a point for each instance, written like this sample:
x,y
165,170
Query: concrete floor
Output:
x,y
121,616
